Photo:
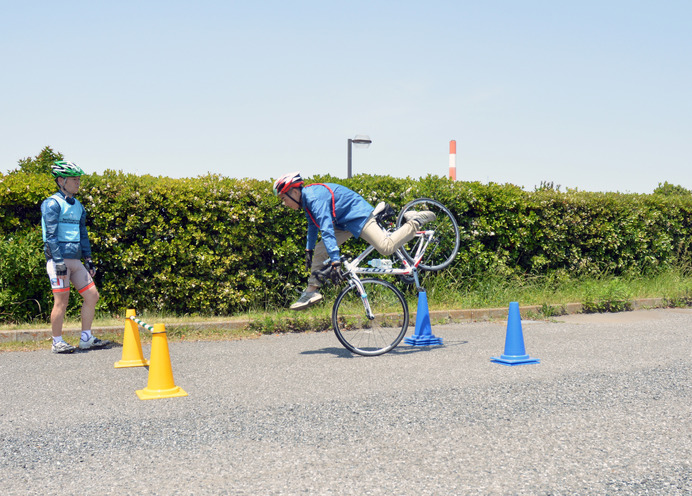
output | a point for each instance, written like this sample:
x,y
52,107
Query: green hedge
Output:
x,y
215,245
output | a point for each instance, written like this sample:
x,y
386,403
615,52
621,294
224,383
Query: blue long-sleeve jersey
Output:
x,y
329,206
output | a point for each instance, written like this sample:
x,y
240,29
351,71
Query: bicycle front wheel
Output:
x,y
378,333
445,242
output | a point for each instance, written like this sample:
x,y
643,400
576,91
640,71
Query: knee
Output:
x,y
60,305
91,297
387,248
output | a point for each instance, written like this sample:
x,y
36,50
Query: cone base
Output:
x,y
514,360
131,363
153,394
424,340
423,335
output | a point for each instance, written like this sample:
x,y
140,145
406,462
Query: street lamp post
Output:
x,y
360,142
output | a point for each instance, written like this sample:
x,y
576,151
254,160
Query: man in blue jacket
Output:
x,y
65,242
338,213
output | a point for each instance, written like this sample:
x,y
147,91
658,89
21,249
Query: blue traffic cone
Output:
x,y
423,335
515,353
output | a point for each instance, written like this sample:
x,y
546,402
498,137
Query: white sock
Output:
x,y
86,335
57,339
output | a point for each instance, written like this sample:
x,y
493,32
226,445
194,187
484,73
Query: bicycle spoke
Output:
x,y
442,250
370,336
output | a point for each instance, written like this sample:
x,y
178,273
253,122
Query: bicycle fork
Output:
x,y
364,297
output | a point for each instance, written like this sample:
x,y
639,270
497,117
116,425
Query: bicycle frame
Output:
x,y
408,269
353,267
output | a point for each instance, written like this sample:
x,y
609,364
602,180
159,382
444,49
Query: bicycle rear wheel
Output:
x,y
358,333
445,243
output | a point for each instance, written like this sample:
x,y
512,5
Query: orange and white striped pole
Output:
x,y
453,160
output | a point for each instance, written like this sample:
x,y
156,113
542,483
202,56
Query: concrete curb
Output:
x,y
468,315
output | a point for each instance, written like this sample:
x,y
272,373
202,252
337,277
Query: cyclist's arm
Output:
x,y
50,210
321,211
312,234
84,236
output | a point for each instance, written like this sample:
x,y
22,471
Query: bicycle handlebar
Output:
x,y
329,274
323,275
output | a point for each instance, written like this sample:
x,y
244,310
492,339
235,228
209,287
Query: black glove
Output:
x,y
60,269
335,274
308,259
89,264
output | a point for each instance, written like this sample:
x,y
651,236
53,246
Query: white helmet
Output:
x,y
286,182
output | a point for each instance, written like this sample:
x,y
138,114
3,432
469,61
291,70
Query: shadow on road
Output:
x,y
399,350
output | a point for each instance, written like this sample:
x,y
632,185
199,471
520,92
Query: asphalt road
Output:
x,y
607,411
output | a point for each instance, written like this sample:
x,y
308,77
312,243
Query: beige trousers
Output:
x,y
385,243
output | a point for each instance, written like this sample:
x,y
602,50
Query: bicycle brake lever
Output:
x,y
323,275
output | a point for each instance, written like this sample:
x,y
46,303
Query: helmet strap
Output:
x,y
62,188
297,202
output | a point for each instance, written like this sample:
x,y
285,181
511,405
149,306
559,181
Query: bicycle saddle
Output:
x,y
383,212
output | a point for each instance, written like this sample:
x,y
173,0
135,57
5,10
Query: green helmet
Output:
x,y
62,168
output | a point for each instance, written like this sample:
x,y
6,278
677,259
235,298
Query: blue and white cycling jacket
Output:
x,y
64,228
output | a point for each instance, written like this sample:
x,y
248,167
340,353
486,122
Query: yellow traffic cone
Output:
x,y
132,346
160,383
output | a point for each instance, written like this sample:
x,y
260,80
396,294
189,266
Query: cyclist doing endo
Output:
x,y
338,213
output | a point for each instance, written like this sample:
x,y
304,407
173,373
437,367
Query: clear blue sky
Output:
x,y
595,95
